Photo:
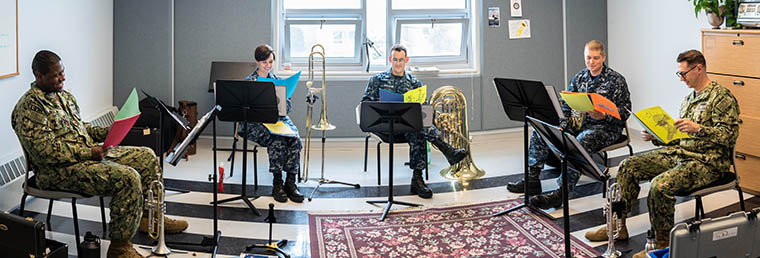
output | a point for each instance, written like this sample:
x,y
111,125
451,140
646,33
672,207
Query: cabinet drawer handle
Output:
x,y
738,42
739,83
741,156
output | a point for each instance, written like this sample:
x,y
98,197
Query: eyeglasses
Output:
x,y
398,60
683,74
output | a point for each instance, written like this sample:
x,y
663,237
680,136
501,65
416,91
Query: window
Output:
x,y
356,34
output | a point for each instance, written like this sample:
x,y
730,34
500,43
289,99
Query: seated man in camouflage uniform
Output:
x,y
398,81
593,130
710,115
63,153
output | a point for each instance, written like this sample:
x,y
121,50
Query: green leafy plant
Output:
x,y
722,8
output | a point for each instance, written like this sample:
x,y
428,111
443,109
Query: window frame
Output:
x,y
355,60
466,63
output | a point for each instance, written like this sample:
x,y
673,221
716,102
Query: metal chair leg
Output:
x,y
741,197
23,202
76,222
604,157
366,144
378,162
50,211
630,150
103,217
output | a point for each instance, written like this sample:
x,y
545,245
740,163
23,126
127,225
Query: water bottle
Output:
x,y
90,247
650,246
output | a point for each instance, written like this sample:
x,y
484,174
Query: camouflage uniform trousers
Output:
x,y
418,146
125,175
670,173
592,140
284,152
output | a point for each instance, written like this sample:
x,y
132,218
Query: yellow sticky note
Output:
x,y
279,128
418,95
580,102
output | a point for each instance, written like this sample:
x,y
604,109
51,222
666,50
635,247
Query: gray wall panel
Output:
x,y
142,48
586,20
207,31
537,58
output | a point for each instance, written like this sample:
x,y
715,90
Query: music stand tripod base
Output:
x,y
322,180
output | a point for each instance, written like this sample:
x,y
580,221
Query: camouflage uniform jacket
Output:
x,y
51,129
716,111
387,81
609,84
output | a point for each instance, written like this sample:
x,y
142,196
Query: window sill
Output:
x,y
362,75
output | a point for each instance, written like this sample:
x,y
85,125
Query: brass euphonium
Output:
x,y
156,208
311,97
450,107
613,212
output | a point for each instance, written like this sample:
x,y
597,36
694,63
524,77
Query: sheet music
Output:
x,y
555,101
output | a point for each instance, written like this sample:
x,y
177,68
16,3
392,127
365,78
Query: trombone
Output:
x,y
323,124
311,97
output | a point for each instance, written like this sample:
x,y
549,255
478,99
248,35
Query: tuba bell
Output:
x,y
450,108
156,207
311,97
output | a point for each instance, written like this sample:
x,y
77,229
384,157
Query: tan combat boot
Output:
x,y
601,233
171,226
122,249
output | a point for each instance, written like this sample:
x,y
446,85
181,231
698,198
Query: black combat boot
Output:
x,y
547,201
452,154
419,187
291,189
534,183
278,191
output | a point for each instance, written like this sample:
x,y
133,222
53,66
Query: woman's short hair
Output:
x,y
262,53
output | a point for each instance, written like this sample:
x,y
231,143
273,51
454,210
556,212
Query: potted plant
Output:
x,y
717,11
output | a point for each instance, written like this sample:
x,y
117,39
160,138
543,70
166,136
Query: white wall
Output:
x,y
645,37
81,32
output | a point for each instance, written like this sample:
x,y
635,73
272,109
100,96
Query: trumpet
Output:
x,y
613,210
156,208
311,97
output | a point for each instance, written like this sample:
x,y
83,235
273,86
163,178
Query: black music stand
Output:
x,y
393,118
174,158
243,102
522,98
568,150
179,120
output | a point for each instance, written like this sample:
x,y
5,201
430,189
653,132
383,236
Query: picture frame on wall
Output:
x,y
8,38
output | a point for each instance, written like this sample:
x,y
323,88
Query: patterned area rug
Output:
x,y
461,231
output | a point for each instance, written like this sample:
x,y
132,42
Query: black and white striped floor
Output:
x,y
498,153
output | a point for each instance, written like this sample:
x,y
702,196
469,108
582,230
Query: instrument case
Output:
x,y
735,235
25,237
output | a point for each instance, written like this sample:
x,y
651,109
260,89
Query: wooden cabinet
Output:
x,y
733,59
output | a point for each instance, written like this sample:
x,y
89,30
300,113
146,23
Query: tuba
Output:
x,y
311,97
450,108
613,211
156,208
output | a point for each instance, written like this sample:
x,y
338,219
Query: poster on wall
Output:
x,y
494,16
519,29
8,38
